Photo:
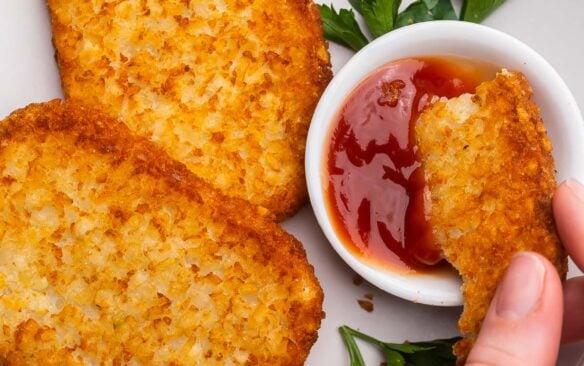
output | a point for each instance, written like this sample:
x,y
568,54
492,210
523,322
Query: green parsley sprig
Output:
x,y
379,15
382,16
477,10
342,28
431,353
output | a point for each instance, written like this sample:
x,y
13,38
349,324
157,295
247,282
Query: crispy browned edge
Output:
x,y
508,95
290,199
101,134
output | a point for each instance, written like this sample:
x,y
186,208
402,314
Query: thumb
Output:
x,y
523,324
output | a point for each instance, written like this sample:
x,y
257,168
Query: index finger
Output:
x,y
568,206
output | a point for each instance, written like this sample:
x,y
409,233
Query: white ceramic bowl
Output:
x,y
560,112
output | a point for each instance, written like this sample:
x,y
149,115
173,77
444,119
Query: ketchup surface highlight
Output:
x,y
376,188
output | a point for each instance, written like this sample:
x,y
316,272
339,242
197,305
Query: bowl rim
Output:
x,y
419,288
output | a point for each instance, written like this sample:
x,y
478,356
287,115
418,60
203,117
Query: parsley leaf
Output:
x,y
432,353
342,27
443,10
382,16
379,15
426,10
477,10
440,355
416,12
393,358
431,3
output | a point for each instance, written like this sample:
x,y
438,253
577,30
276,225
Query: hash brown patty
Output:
x,y
113,253
488,164
227,87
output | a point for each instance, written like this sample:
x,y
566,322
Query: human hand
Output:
x,y
523,326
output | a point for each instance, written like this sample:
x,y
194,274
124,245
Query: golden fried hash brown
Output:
x,y
489,168
226,87
112,252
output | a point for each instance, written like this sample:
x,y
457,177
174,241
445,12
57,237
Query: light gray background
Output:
x,y
553,28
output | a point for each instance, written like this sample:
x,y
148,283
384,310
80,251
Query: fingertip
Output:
x,y
570,193
568,208
521,288
529,339
561,201
576,188
573,329
552,276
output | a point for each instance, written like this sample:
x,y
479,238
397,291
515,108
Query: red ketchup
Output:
x,y
375,192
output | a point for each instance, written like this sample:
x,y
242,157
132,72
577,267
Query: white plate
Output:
x,y
28,73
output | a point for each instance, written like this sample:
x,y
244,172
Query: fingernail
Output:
x,y
521,287
576,188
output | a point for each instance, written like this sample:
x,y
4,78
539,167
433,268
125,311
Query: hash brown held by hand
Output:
x,y
226,87
488,165
112,252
